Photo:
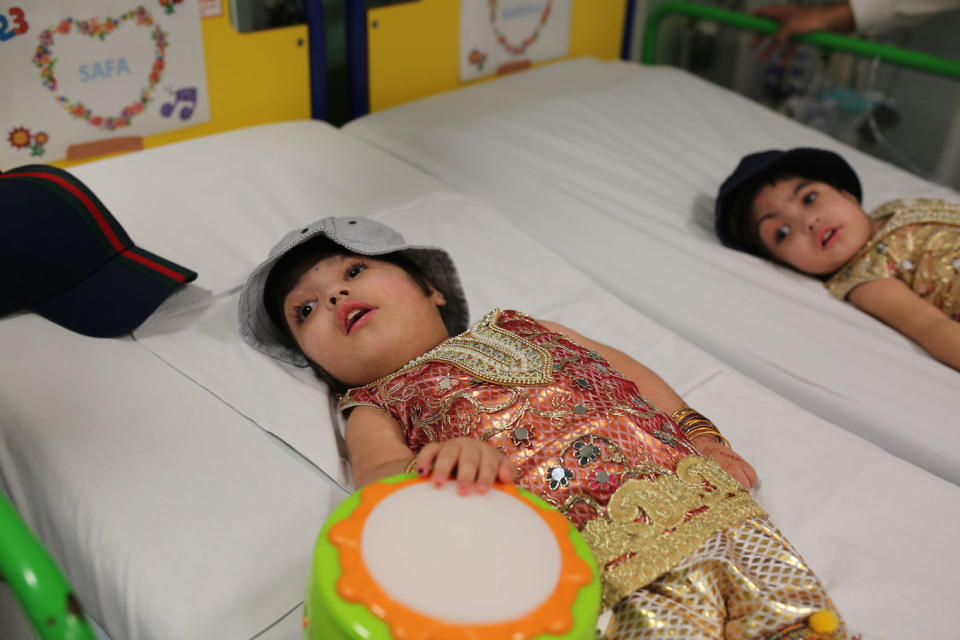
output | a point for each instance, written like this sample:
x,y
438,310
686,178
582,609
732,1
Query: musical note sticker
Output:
x,y
187,95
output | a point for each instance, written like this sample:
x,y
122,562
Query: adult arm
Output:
x,y
875,16
795,19
863,16
896,304
663,397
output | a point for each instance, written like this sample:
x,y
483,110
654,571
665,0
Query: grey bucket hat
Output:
x,y
361,236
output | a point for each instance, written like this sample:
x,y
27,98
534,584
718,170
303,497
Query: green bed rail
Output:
x,y
36,581
821,39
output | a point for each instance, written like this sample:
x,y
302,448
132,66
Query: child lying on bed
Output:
x,y
682,545
900,263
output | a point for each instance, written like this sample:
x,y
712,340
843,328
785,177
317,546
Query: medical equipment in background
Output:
x,y
832,82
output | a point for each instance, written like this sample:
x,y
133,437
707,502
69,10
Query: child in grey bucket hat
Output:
x,y
524,401
362,236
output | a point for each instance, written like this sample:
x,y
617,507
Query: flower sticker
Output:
x,y
21,138
168,5
477,58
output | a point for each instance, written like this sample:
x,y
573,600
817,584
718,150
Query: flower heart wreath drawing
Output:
x,y
44,59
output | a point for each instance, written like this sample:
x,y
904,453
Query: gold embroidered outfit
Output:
x,y
919,244
678,541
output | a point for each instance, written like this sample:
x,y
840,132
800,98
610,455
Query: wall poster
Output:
x,y
500,35
92,73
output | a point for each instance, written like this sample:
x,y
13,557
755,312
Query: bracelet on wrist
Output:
x,y
694,424
410,465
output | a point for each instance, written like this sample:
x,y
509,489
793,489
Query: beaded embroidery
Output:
x,y
490,354
919,244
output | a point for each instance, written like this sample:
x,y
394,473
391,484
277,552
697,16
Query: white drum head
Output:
x,y
495,557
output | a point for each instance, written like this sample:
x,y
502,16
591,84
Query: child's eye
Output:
x,y
781,233
302,311
354,270
810,197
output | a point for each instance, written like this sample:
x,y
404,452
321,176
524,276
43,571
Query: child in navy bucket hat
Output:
x,y
527,401
900,263
64,256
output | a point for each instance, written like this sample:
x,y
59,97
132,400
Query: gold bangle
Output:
x,y
694,424
410,465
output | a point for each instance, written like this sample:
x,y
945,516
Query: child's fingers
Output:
x,y
487,472
506,472
425,459
468,463
739,473
444,462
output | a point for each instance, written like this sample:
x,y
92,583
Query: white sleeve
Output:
x,y
874,16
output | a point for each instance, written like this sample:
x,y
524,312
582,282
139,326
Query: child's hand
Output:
x,y
477,464
728,459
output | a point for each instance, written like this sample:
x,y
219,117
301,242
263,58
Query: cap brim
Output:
x,y
117,297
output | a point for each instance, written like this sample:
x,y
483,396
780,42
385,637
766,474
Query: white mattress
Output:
x,y
180,477
615,167
169,503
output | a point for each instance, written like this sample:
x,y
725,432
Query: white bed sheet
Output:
x,y
615,166
147,465
173,510
830,491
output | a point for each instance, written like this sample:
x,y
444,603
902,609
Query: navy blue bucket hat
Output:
x,y
64,256
816,164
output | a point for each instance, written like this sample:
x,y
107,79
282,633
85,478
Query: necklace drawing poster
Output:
x,y
498,36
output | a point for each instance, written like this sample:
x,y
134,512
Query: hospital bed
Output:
x,y
615,165
179,477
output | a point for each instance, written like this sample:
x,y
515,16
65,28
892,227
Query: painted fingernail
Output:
x,y
421,471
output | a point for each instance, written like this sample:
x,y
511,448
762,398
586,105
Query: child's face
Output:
x,y
810,225
361,318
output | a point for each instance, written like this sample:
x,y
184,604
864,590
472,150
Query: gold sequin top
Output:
x,y
581,435
919,244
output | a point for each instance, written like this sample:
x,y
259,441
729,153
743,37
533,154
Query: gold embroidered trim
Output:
x,y
648,529
489,354
904,212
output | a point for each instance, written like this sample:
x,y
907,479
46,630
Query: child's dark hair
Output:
x,y
739,223
296,262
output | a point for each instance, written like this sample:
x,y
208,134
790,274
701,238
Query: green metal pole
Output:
x,y
822,39
36,581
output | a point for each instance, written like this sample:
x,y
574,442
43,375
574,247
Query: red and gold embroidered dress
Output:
x,y
586,441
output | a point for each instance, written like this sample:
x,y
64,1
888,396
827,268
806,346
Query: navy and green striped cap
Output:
x,y
64,256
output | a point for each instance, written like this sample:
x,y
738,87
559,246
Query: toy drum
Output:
x,y
404,560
